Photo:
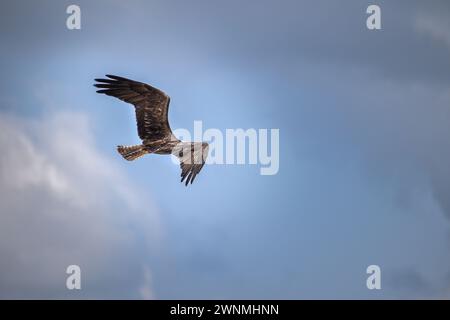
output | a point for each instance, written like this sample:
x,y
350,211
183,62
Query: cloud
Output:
x,y
418,286
438,27
355,98
146,288
63,202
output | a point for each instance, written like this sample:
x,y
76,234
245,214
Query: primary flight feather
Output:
x,y
152,106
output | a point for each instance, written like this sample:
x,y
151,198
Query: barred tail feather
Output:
x,y
131,153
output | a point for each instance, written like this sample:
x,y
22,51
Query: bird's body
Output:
x,y
151,107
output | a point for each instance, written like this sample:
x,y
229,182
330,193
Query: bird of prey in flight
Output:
x,y
152,106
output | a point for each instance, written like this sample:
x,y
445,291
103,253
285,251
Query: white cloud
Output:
x,y
63,202
146,288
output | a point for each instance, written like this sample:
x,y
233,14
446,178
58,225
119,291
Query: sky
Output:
x,y
363,117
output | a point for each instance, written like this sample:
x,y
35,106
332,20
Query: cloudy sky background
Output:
x,y
364,119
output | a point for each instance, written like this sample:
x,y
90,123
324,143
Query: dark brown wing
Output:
x,y
192,159
151,104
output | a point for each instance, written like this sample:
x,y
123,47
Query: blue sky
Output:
x,y
364,125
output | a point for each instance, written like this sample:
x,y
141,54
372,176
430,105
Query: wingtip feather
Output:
x,y
111,76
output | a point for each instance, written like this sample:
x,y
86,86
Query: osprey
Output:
x,y
152,106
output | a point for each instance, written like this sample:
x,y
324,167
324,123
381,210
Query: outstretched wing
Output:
x,y
192,157
151,104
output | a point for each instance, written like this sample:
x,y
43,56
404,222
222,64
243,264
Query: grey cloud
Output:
x,y
64,203
373,103
437,26
256,32
414,282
